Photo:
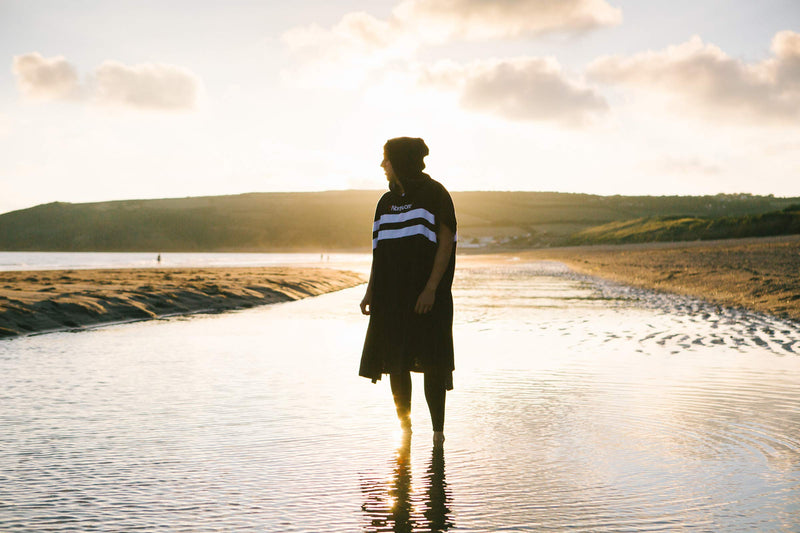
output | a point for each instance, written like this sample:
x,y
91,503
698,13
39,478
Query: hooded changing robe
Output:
x,y
404,244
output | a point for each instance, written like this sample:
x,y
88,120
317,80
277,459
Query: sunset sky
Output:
x,y
104,100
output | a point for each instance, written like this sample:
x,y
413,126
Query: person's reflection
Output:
x,y
438,508
393,507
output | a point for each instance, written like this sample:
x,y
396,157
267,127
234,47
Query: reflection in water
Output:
x,y
578,407
438,511
399,507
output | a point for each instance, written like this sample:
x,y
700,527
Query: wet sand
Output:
x,y
758,274
52,300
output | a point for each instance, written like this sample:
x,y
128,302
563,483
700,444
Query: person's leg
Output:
x,y
435,394
401,392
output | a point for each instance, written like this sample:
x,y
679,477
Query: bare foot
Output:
x,y
438,438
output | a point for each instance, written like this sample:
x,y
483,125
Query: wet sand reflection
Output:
x,y
398,506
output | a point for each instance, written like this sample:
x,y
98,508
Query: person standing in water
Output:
x,y
408,298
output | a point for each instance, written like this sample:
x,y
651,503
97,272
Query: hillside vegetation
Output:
x,y
341,220
685,228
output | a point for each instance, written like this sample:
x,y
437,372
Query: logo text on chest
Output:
x,y
397,208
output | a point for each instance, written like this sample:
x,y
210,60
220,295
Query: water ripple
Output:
x,y
579,406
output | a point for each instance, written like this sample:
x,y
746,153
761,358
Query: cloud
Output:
x,y
346,54
786,64
360,42
483,19
45,78
354,33
524,89
148,86
714,84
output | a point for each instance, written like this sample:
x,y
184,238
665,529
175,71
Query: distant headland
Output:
x,y
341,221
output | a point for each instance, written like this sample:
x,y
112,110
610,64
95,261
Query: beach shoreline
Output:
x,y
757,274
41,301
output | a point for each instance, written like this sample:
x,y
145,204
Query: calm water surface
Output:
x,y
577,406
85,260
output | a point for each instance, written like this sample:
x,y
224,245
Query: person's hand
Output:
x,y
366,304
425,301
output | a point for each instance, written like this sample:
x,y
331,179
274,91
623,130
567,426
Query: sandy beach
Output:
x,y
51,300
756,274
759,274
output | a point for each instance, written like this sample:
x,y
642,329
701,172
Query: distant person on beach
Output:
x,y
408,298
158,259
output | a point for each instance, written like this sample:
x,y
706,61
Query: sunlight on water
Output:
x,y
578,406
84,260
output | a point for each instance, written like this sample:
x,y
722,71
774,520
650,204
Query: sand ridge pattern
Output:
x,y
695,322
680,323
51,300
758,274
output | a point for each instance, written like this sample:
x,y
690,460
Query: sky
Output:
x,y
106,100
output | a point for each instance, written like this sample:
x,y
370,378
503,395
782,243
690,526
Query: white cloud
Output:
x,y
356,32
523,89
710,82
45,78
359,43
482,19
786,64
346,54
147,86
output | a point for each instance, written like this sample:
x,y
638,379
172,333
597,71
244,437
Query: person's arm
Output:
x,y
366,302
440,261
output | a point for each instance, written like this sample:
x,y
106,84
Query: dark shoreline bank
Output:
x,y
55,300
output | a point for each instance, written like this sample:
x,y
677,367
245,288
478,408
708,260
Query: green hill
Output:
x,y
687,228
247,222
338,220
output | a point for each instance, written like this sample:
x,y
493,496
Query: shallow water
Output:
x,y
578,406
85,260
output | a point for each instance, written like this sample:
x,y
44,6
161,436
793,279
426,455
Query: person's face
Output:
x,y
388,170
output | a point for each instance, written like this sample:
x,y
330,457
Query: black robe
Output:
x,y
404,244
